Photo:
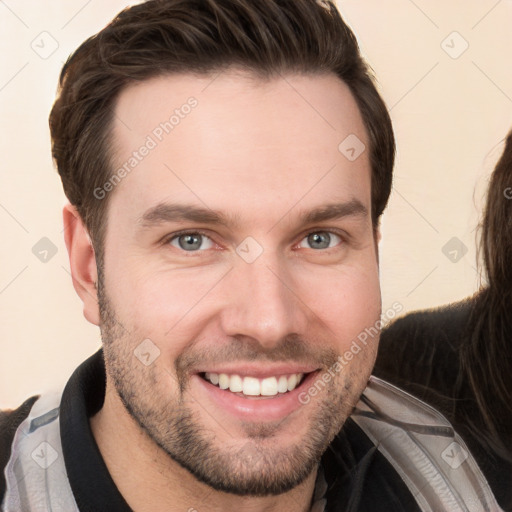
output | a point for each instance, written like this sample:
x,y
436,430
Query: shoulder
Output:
x,y
9,422
11,419
446,321
422,447
422,348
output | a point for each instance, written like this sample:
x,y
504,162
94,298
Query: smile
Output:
x,y
254,387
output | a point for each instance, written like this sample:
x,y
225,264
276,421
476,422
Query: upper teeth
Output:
x,y
252,386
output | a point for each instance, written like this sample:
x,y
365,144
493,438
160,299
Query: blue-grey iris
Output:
x,y
320,240
190,242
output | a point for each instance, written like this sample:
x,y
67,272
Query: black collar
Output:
x,y
90,481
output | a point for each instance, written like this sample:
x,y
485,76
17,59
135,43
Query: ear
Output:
x,y
377,237
82,261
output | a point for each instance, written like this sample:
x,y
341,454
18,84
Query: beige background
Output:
x,y
450,115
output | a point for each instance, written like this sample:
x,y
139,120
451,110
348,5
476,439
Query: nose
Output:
x,y
263,302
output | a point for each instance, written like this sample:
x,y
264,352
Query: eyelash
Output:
x,y
343,236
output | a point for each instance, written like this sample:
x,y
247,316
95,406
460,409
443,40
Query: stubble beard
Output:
x,y
255,466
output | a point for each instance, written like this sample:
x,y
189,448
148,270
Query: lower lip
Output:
x,y
255,410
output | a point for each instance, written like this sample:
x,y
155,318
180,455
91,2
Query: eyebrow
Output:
x,y
167,212
170,212
353,208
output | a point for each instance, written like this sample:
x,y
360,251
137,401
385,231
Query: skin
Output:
x,y
263,152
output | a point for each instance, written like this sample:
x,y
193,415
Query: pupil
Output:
x,y
319,240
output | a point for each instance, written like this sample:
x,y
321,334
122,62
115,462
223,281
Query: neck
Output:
x,y
150,480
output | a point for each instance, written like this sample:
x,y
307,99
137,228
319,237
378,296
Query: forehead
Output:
x,y
233,141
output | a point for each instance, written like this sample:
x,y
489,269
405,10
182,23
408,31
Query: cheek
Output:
x,y
163,305
173,306
347,301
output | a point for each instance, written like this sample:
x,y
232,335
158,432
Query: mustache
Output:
x,y
293,348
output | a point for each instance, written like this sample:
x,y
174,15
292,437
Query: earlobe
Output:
x,y
82,261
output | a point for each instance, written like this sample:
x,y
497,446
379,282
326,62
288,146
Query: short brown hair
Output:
x,y
161,37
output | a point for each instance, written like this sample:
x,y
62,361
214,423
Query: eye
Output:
x,y
320,240
191,242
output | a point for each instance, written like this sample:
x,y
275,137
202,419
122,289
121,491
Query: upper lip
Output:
x,y
261,372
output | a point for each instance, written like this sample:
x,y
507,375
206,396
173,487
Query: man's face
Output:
x,y
239,249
